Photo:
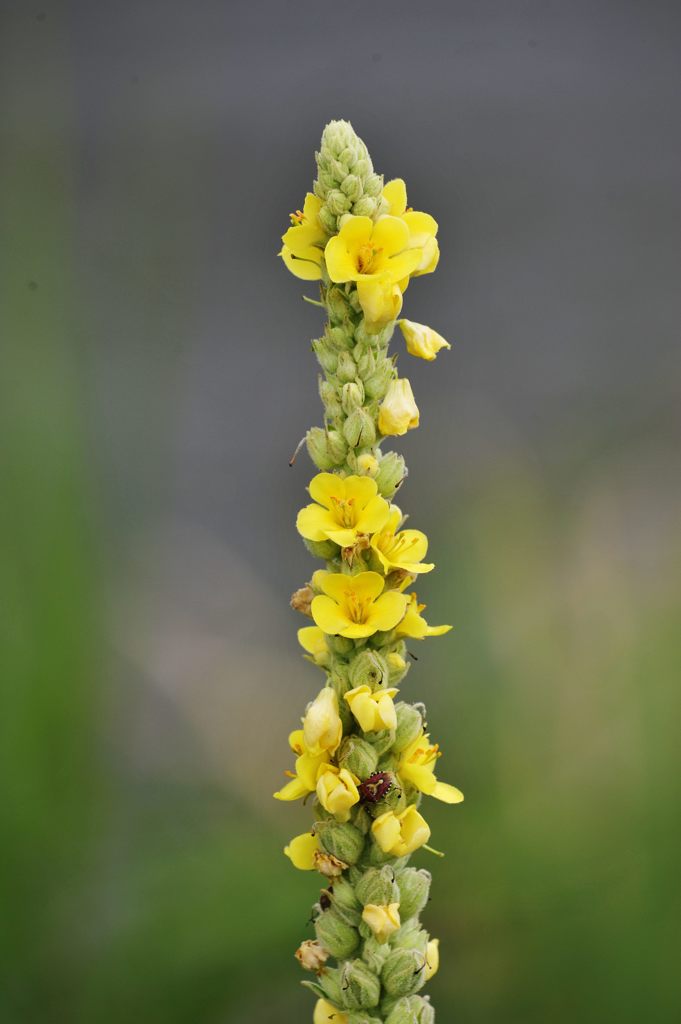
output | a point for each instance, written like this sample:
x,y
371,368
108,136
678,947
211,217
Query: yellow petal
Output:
x,y
340,265
301,851
360,489
422,341
328,615
307,269
390,234
325,1013
446,793
314,522
364,585
373,516
293,790
387,611
326,487
432,958
312,640
421,227
386,831
402,265
395,194
437,630
380,299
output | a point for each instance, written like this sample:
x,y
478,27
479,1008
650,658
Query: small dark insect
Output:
x,y
376,786
325,898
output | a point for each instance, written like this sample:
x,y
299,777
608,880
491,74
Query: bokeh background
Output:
x,y
156,376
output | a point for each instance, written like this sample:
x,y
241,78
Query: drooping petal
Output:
x,y
293,790
395,194
380,299
448,794
301,851
307,268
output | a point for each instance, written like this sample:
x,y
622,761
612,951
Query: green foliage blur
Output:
x,y
142,878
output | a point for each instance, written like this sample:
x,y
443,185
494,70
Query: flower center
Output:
x,y
367,258
357,606
297,218
344,510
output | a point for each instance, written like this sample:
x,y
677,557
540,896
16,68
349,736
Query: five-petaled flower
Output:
x,y
355,606
422,227
414,625
401,834
303,243
344,509
304,779
417,766
401,549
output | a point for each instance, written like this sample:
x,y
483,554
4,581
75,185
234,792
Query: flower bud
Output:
x,y
338,337
374,953
345,902
337,447
363,166
376,383
311,955
383,919
358,756
361,988
412,936
381,741
367,464
361,1017
411,1010
373,184
403,972
335,935
326,1013
322,727
432,958
359,429
337,203
330,397
398,667
318,449
330,982
400,834
422,341
325,549
352,397
377,885
336,299
414,887
341,840
328,359
398,412
337,791
347,367
351,186
391,473
409,725
364,207
368,669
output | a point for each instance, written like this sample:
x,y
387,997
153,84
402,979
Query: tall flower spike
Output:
x,y
363,758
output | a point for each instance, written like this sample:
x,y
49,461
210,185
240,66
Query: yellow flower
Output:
x,y
414,625
398,411
401,834
308,764
432,958
376,256
337,791
325,1013
374,711
422,227
417,766
301,851
322,727
383,920
421,341
401,549
304,241
355,606
344,509
312,640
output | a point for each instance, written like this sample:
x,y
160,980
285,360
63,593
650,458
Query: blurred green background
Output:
x,y
155,377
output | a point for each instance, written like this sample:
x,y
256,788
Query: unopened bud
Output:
x,y
361,1017
367,464
337,203
413,937
311,955
301,600
391,472
411,1010
376,383
347,367
318,449
365,206
336,299
352,397
326,1013
414,887
328,359
351,186
398,667
359,429
378,886
330,982
373,184
403,972
335,935
325,549
328,220
409,725
368,669
358,756
361,988
345,902
341,840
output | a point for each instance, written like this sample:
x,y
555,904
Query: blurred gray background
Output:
x,y
156,376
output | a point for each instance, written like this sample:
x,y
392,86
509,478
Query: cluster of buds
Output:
x,y
362,754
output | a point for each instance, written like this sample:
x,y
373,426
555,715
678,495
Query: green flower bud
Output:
x,y
345,902
318,449
425,1014
360,429
391,472
408,1010
411,936
373,184
359,1017
347,367
352,187
403,972
341,839
364,207
414,887
341,645
368,669
409,725
378,886
352,397
337,203
338,337
336,299
339,938
358,756
325,549
330,984
381,741
363,166
375,953
376,382
328,359
361,988
328,220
